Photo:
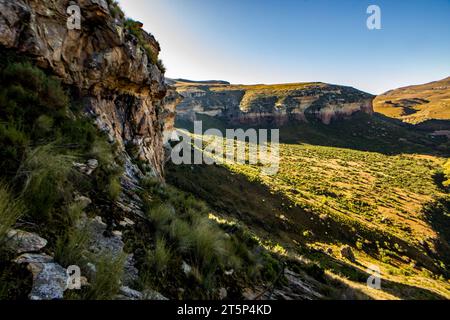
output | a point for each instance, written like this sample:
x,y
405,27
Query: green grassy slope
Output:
x,y
367,182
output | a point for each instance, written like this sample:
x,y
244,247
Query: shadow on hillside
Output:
x,y
437,214
376,133
359,275
434,125
273,214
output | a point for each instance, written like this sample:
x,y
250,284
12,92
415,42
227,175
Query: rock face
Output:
x,y
103,63
111,244
270,104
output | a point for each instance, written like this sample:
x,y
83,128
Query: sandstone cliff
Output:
x,y
109,67
270,104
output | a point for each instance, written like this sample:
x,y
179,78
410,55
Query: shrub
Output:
x,y
208,244
80,133
161,216
27,92
10,210
102,151
115,9
114,188
45,176
12,146
161,256
71,246
161,66
106,283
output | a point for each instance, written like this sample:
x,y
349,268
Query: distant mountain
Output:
x,y
193,82
417,104
276,104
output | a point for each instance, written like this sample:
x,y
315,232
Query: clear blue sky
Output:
x,y
279,41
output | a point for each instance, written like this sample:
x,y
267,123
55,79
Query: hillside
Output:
x,y
417,104
88,191
83,120
367,182
270,104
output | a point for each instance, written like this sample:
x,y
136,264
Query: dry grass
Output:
x,y
416,104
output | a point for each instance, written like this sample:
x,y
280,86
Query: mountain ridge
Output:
x,y
416,104
276,104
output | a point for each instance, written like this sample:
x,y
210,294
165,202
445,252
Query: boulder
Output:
x,y
83,201
223,293
22,241
127,293
49,278
153,295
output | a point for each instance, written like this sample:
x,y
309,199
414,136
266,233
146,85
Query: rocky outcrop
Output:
x,y
170,102
22,241
271,104
49,278
118,82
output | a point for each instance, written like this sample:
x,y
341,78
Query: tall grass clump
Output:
x,y
208,243
105,285
72,243
45,176
161,216
185,234
10,210
160,257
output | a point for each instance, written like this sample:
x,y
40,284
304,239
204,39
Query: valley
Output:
x,y
89,120
366,182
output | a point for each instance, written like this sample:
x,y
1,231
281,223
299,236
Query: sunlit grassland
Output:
x,y
382,204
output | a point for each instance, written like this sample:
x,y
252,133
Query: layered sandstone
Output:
x,y
270,104
113,74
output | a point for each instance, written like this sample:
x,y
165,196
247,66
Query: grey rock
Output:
x,y
83,201
127,293
33,258
186,268
49,278
112,245
126,222
130,272
22,241
223,293
153,295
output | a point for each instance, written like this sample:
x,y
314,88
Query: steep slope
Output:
x,y
366,182
417,104
121,85
84,115
270,104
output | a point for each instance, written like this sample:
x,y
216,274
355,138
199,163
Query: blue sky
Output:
x,y
279,41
